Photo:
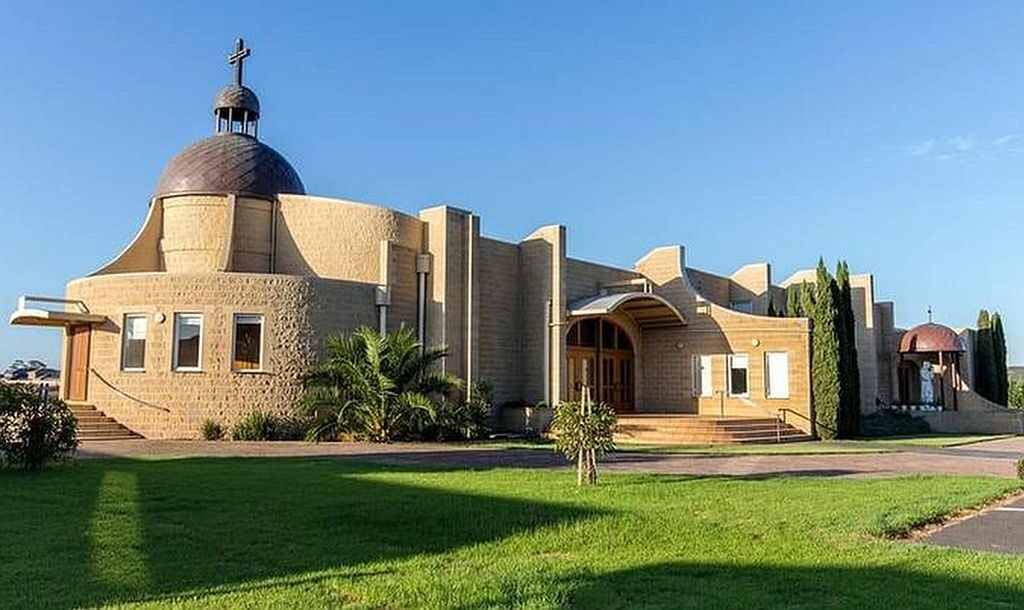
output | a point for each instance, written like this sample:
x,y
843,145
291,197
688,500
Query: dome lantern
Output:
x,y
236,104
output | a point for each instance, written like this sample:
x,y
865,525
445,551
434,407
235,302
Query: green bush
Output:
x,y
461,419
1020,469
290,428
212,430
256,426
34,430
892,423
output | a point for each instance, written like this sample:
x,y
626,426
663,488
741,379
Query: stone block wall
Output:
x,y
298,313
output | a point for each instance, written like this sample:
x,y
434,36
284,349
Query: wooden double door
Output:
x,y
600,356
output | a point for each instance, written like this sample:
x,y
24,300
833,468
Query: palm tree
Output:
x,y
374,385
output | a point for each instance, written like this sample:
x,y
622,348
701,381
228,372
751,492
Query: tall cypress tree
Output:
x,y
1002,381
794,298
985,358
825,368
849,368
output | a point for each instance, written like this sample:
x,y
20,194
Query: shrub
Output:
x,y
34,429
212,430
584,431
290,428
892,423
461,419
256,426
1020,469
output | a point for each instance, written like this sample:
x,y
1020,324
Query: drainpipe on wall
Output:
x,y
470,246
422,269
547,354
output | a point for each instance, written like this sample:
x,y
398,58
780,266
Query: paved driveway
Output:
x,y
996,458
999,529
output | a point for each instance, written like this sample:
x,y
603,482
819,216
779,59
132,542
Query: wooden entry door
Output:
x,y
78,362
600,355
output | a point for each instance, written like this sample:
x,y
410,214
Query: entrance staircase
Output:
x,y
704,430
94,425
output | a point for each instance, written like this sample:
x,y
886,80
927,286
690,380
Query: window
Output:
x,y
702,376
745,306
776,374
248,351
738,368
133,343
188,341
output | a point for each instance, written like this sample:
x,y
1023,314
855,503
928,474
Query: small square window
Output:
x,y
188,341
738,374
248,343
133,343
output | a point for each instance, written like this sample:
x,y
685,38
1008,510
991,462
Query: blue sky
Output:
x,y
889,134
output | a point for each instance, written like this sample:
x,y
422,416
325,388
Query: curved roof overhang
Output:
x,y
647,309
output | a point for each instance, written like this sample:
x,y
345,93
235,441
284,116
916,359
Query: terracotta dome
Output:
x,y
930,338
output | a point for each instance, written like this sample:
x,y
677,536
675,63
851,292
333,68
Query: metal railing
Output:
x,y
25,299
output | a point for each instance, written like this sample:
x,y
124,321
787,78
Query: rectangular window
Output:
x,y
702,376
248,351
738,369
746,306
133,343
776,374
188,341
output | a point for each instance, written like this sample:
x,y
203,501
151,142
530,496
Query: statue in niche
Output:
x,y
927,383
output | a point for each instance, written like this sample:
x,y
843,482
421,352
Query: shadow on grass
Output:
x,y
746,587
122,530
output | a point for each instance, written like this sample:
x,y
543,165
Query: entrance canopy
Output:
x,y
74,313
647,309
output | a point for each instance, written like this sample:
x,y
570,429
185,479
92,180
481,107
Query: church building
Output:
x,y
223,300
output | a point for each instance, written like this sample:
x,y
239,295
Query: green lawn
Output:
x,y
865,445
305,533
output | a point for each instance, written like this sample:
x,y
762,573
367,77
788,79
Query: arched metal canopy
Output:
x,y
647,309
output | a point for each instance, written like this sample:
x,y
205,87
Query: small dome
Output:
x,y
238,98
930,338
229,163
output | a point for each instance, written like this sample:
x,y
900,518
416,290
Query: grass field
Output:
x,y
867,445
304,533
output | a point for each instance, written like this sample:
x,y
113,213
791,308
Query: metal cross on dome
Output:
x,y
236,59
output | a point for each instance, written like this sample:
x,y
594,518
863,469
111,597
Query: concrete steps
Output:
x,y
94,425
705,430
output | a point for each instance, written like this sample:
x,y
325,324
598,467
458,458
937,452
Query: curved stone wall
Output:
x,y
339,239
298,312
194,233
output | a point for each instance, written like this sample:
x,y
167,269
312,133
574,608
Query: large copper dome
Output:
x,y
929,338
229,163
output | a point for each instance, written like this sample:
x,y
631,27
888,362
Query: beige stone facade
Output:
x,y
165,337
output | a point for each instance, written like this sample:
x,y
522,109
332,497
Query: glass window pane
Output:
x,y
248,342
738,375
133,356
188,331
607,335
588,333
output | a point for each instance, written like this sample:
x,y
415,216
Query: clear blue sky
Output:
x,y
890,134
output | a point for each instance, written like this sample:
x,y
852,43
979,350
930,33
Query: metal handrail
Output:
x,y
814,424
24,299
124,394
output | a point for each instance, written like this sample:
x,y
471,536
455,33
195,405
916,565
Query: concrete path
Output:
x,y
999,530
997,458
